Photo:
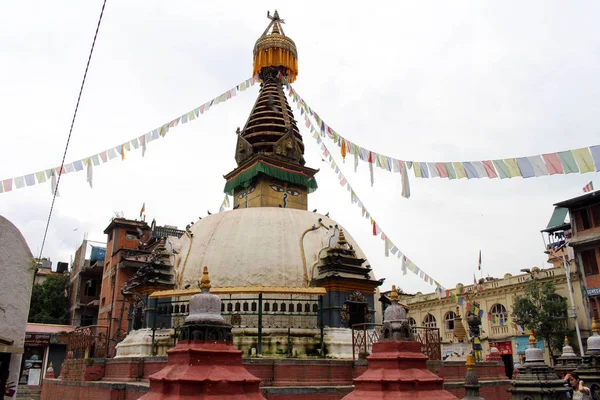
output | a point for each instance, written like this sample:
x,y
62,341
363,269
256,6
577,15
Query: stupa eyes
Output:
x,y
277,188
243,194
293,192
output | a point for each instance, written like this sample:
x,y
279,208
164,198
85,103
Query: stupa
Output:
x,y
276,264
204,364
589,370
568,360
536,380
397,369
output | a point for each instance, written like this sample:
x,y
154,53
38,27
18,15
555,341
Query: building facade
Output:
x,y
496,299
584,238
85,282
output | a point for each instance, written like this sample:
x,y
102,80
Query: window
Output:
x,y
283,307
413,325
267,307
499,315
103,301
237,306
307,307
583,219
253,306
291,307
449,320
595,210
275,307
429,321
245,306
589,261
129,235
87,320
315,308
229,307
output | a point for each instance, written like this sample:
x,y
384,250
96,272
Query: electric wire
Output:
x,y
87,66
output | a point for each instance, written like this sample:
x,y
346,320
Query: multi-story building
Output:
x,y
584,238
85,283
495,298
44,270
128,248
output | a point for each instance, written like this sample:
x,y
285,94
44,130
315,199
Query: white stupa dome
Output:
x,y
255,247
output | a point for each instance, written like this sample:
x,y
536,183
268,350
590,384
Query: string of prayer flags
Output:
x,y
7,185
582,160
389,246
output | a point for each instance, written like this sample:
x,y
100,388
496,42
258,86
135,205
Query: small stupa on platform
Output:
x,y
204,364
589,370
397,368
494,355
568,361
471,382
536,380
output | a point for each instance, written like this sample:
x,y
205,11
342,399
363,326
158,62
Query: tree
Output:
x,y
49,301
544,312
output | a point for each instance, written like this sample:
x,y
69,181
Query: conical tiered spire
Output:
x,y
269,150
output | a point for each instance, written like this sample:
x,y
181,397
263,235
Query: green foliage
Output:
x,y
543,311
48,301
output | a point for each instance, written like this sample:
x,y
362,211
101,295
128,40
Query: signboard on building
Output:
x,y
504,348
593,292
455,351
37,339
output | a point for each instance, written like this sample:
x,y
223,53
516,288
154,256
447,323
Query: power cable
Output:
x,y
71,130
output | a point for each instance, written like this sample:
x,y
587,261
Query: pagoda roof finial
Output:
x,y
394,294
274,49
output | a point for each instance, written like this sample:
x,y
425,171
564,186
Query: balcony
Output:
x,y
500,331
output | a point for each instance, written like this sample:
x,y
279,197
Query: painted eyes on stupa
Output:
x,y
243,194
281,189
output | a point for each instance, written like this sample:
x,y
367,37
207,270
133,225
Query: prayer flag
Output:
x,y
433,171
589,187
479,169
441,169
584,159
450,170
568,162
502,169
424,170
595,150
538,165
553,164
30,179
513,168
526,167
489,169
469,170
41,176
143,209
460,170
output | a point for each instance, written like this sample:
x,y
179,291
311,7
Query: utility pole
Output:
x,y
567,268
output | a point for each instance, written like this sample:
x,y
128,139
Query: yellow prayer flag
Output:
x,y
122,152
460,170
584,159
417,169
513,167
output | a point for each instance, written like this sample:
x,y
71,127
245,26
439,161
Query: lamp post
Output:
x,y
567,268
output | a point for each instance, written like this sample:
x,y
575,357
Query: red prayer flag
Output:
x,y
553,163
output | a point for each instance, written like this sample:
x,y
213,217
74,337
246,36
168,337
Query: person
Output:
x,y
580,392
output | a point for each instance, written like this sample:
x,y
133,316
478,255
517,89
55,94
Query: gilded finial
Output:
x,y
566,341
394,294
594,325
205,281
532,340
470,363
457,311
275,50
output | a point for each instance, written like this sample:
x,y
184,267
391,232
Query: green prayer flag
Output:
x,y
568,162
501,168
451,171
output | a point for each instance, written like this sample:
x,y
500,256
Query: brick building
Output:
x,y
584,239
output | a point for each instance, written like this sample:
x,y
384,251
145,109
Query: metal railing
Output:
x,y
87,342
364,335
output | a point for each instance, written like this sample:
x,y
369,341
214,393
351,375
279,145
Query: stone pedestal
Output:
x,y
138,343
398,370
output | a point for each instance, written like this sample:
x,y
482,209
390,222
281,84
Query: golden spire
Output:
x,y
470,363
394,294
205,281
532,340
566,341
594,325
276,50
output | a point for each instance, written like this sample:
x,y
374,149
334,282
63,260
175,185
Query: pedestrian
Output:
x,y
580,392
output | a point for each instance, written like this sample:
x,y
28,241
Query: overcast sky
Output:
x,y
427,81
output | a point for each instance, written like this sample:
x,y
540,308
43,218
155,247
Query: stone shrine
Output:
x,y
536,380
568,361
589,369
396,368
204,364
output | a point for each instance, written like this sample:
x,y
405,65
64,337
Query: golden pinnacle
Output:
x,y
394,294
532,339
205,281
566,341
470,363
594,325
